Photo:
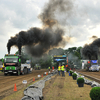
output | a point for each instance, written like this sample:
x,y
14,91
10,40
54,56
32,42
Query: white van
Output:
x,y
94,66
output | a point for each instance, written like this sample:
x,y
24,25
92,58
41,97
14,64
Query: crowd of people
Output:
x,y
61,69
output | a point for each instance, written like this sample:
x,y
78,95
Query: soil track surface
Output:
x,y
7,82
93,75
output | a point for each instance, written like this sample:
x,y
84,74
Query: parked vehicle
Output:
x,y
13,65
94,65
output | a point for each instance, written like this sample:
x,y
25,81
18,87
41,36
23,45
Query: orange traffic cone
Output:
x,y
15,88
33,79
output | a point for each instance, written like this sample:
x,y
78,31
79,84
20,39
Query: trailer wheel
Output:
x,y
28,71
23,73
25,70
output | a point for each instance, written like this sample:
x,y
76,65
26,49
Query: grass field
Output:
x,y
65,88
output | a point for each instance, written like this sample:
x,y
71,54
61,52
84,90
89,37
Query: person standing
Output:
x,y
59,69
63,69
66,67
49,68
53,68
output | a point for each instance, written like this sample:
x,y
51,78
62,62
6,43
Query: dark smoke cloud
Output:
x,y
93,38
91,51
38,41
56,12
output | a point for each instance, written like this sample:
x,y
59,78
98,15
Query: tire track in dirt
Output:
x,y
8,79
7,85
92,74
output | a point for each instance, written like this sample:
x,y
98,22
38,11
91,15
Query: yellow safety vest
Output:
x,y
62,68
59,68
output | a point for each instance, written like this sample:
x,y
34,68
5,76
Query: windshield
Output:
x,y
11,59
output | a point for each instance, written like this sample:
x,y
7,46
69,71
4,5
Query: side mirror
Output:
x,y
19,60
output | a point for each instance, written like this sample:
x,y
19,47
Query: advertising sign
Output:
x,y
59,58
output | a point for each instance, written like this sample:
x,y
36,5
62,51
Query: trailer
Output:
x,y
13,65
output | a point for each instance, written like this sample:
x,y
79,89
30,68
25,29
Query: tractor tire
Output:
x,y
5,74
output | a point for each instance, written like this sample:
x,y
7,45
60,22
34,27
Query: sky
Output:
x,y
19,15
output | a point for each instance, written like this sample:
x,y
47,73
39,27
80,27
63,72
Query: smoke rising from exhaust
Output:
x,y
38,41
56,12
90,51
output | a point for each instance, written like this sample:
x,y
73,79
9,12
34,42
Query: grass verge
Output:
x,y
65,88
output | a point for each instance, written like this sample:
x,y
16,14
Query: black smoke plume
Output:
x,y
91,51
38,41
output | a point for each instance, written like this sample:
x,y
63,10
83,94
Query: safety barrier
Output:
x,y
34,92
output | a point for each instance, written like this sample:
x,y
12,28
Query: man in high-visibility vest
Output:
x,y
49,68
59,69
63,69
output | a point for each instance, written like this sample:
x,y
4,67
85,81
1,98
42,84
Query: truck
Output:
x,y
13,65
37,67
94,65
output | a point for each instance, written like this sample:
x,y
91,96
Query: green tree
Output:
x,y
78,53
46,63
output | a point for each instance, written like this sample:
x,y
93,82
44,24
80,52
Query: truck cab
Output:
x,y
12,63
94,66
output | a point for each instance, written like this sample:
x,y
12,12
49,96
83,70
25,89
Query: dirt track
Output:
x,y
93,74
7,82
